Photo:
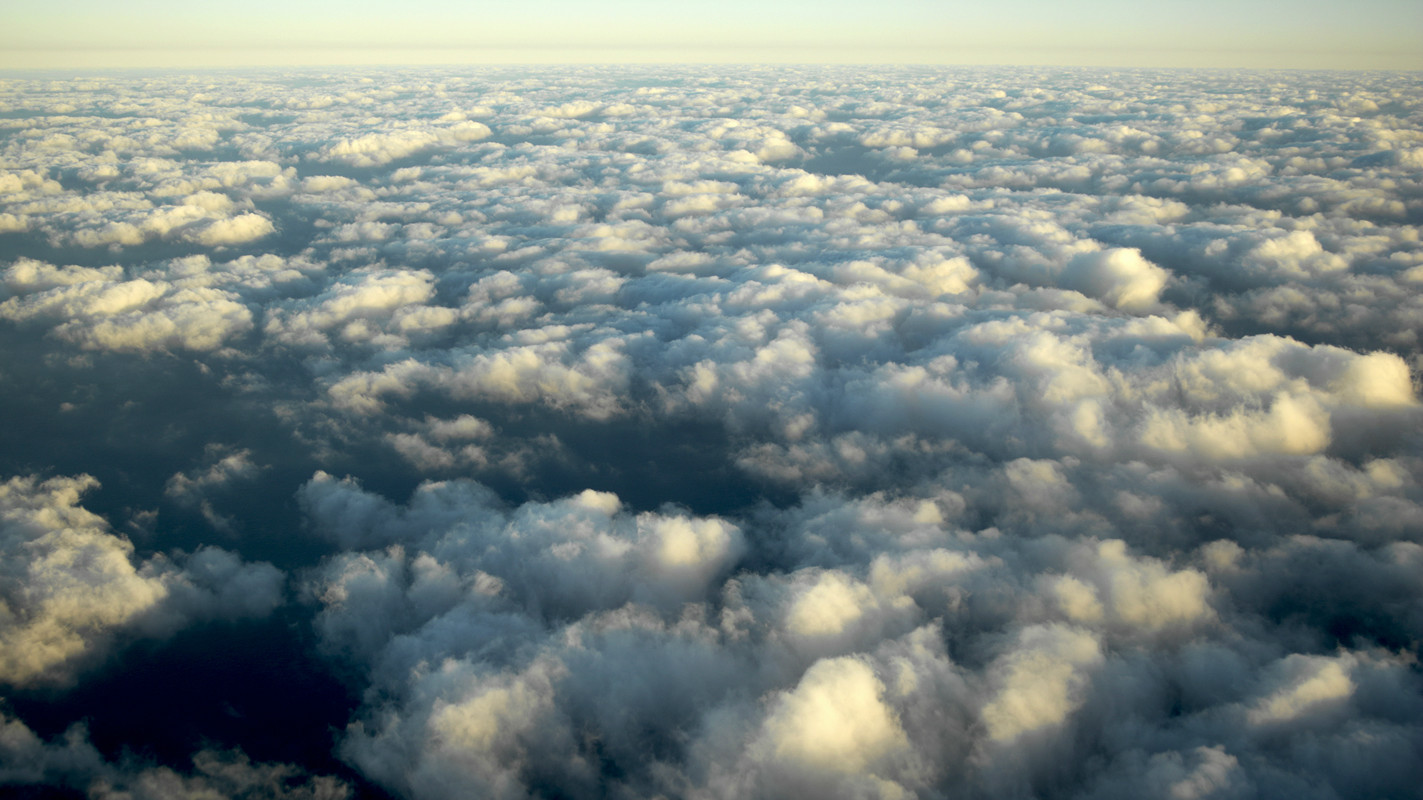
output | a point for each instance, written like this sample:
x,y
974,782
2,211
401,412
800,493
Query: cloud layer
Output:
x,y
609,432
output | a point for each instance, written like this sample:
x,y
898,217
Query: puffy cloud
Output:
x,y
97,309
1042,681
554,373
27,761
377,149
1311,684
1138,593
1121,278
68,581
1200,772
834,720
525,645
234,230
28,275
226,468
379,306
1291,425
569,553
828,606
69,585
848,434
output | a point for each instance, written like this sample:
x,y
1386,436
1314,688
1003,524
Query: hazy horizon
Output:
x,y
1373,34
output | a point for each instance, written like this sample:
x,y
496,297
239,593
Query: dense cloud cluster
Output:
x,y
711,434
69,584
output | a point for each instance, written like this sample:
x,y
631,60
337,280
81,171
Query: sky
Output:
x,y
1370,34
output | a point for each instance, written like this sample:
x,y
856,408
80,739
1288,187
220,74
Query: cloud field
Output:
x,y
712,433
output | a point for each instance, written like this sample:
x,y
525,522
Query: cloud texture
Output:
x,y
690,433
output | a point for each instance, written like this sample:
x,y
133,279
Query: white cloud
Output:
x,y
834,720
1311,684
68,582
98,309
69,585
234,230
1138,593
849,433
1040,681
376,149
379,306
1119,277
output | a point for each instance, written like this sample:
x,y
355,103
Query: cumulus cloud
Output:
x,y
1043,679
835,669
1121,278
234,230
378,306
70,585
605,556
697,433
98,309
834,719
376,149
27,761
226,467
78,583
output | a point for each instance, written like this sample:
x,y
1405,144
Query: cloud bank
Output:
x,y
623,433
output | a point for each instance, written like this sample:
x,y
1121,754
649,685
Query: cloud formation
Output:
x,y
70,585
901,433
76,765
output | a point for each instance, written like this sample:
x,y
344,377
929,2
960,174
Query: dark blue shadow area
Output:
x,y
258,686
133,421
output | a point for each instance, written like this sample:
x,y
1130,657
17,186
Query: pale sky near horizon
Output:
x,y
85,34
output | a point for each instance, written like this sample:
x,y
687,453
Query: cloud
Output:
x,y
712,433
226,468
99,310
376,149
27,761
235,230
68,580
1121,278
380,305
70,586
834,720
601,555
1042,681
1311,684
1047,630
555,373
